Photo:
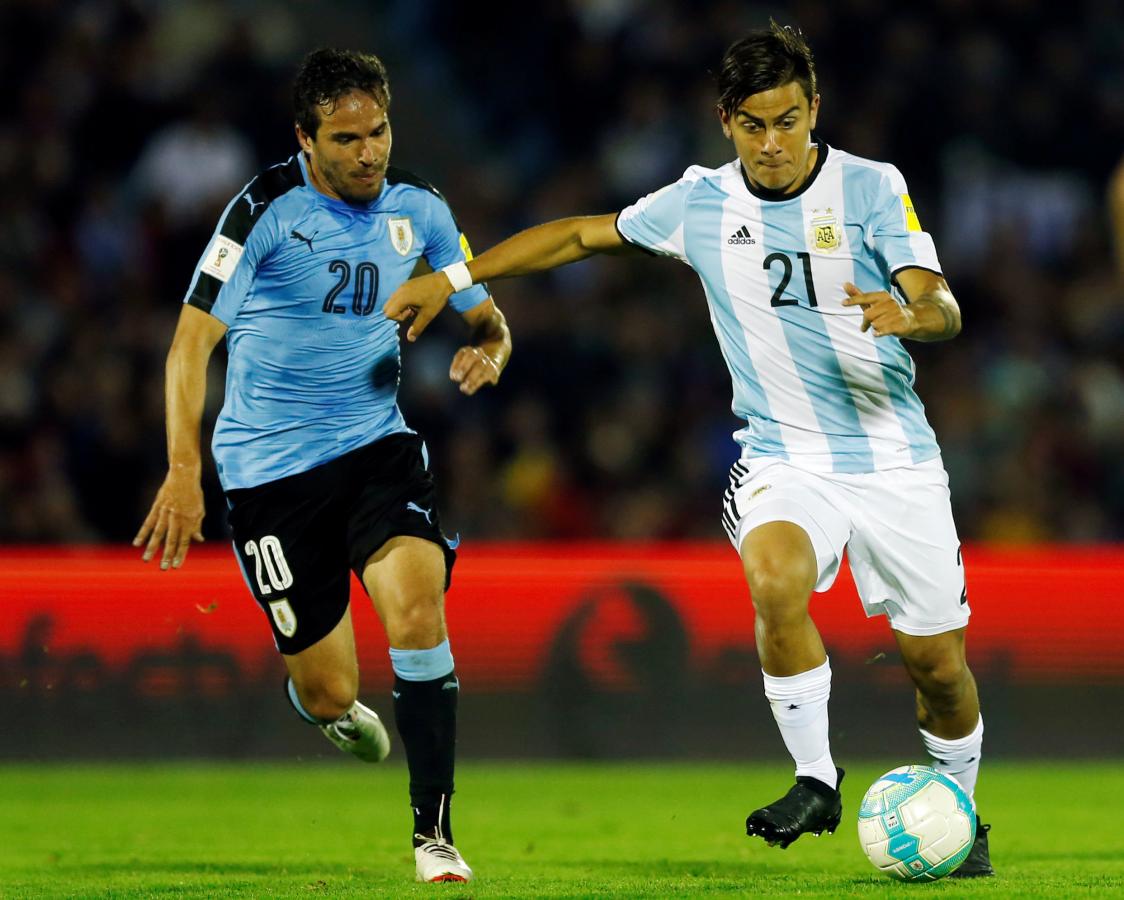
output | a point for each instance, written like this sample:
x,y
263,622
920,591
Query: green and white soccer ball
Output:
x,y
916,824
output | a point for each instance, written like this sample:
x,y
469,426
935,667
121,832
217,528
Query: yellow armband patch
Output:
x,y
911,222
467,250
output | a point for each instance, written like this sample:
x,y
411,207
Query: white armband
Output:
x,y
459,276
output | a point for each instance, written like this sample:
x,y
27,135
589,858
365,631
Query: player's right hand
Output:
x,y
419,300
175,520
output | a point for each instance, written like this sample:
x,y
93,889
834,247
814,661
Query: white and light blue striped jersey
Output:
x,y
300,280
811,386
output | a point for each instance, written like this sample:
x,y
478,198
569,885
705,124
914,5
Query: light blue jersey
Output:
x,y
300,280
810,385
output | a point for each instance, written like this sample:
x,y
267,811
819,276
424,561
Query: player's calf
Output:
x,y
809,806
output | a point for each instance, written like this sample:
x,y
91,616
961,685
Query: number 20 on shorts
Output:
x,y
269,564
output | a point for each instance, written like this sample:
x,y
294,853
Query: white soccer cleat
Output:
x,y
439,861
360,732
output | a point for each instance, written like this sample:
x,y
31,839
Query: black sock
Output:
x,y
426,715
433,821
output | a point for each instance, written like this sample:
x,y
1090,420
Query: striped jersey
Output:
x,y
300,280
811,386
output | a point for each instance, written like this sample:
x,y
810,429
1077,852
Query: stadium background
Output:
x,y
129,125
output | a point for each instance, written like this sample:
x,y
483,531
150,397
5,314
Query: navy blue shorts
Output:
x,y
297,538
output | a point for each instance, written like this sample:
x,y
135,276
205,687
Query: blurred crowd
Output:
x,y
130,123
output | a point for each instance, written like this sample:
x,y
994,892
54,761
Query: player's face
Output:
x,y
349,155
772,132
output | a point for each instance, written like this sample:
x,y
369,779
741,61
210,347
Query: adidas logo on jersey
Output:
x,y
741,236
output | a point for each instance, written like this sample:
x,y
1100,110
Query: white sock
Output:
x,y
959,758
799,705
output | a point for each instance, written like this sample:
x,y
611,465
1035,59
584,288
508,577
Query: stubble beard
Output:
x,y
347,191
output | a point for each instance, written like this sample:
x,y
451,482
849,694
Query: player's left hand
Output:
x,y
881,312
417,301
472,368
175,519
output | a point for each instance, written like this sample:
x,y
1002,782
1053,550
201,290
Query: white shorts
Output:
x,y
896,526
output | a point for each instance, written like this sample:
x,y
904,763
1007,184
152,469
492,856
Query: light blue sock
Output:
x,y
422,665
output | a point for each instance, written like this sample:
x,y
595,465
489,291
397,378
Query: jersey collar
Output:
x,y
778,196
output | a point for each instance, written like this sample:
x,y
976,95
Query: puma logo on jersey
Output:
x,y
425,512
253,204
296,235
741,236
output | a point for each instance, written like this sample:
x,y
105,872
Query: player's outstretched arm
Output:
x,y
483,360
176,517
931,314
534,250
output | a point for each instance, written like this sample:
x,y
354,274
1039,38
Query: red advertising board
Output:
x,y
1052,614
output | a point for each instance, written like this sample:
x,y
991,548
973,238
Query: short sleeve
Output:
x,y
896,231
446,244
655,222
224,275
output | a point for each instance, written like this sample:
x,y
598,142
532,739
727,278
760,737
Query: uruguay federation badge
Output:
x,y
284,616
824,230
401,234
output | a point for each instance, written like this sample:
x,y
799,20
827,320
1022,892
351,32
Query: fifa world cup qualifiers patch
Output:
x,y
911,222
222,258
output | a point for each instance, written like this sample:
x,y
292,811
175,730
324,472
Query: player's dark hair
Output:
x,y
764,60
327,74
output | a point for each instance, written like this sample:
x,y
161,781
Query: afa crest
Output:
x,y
824,232
401,233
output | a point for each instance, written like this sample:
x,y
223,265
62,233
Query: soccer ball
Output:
x,y
916,824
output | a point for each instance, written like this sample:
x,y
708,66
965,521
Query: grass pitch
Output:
x,y
529,830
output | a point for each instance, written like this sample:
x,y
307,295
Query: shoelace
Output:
x,y
441,849
347,727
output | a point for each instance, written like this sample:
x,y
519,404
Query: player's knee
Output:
x,y
415,623
328,696
780,588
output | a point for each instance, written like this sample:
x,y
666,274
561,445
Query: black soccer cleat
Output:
x,y
809,806
977,864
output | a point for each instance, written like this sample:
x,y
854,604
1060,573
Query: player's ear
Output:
x,y
724,118
303,139
813,110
